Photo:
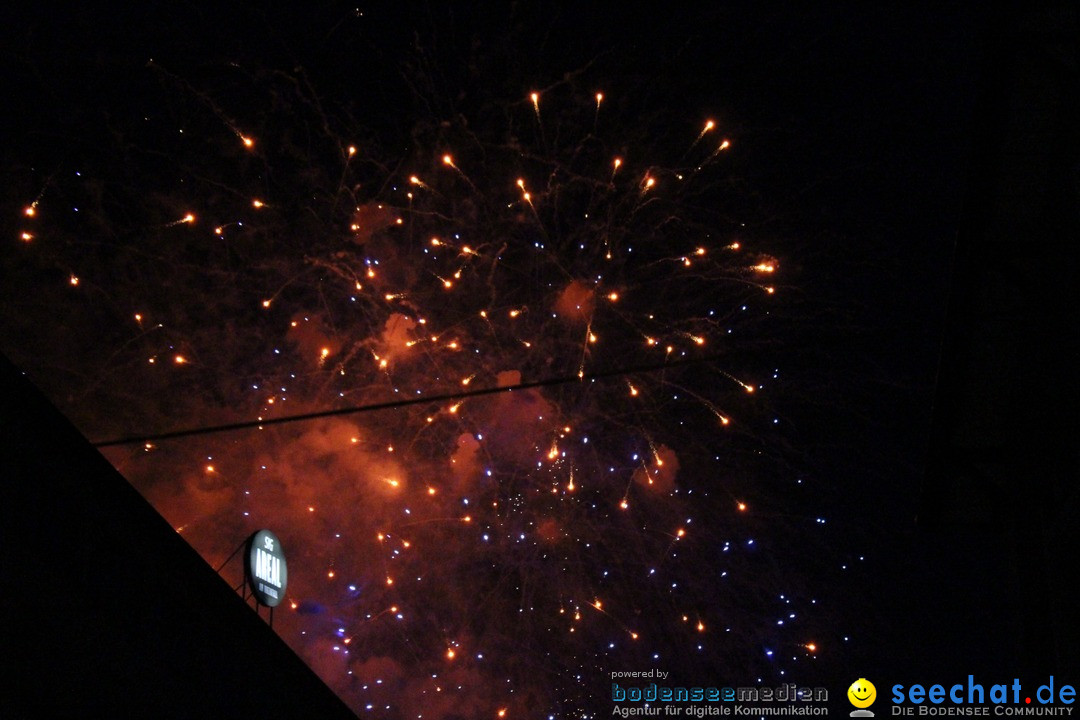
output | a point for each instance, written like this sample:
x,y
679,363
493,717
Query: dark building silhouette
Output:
x,y
106,611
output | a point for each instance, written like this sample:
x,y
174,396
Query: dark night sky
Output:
x,y
858,132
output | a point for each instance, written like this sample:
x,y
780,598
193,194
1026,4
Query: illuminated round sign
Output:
x,y
264,566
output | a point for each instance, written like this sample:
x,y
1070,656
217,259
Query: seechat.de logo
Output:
x,y
862,694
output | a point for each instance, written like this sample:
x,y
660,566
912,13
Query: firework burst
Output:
x,y
475,554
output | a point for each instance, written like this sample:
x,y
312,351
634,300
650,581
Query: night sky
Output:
x,y
730,270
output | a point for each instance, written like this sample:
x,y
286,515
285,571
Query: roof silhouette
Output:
x,y
104,608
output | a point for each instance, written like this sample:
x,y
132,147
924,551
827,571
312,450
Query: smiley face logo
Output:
x,y
862,693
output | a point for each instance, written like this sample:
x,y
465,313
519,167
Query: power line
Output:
x,y
549,382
